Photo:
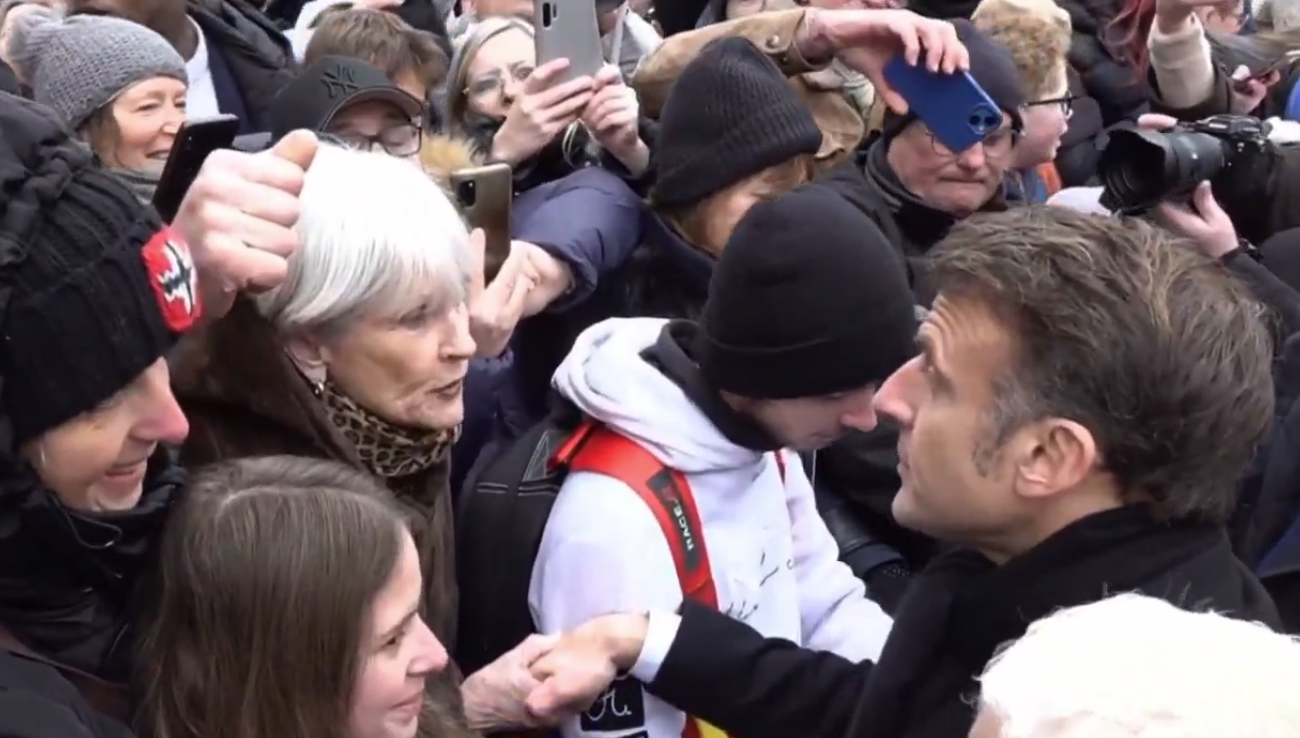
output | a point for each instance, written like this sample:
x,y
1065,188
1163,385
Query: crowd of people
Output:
x,y
777,416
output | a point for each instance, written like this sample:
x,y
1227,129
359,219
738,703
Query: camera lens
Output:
x,y
1141,168
466,193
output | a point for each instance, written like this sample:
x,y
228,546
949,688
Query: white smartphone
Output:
x,y
567,29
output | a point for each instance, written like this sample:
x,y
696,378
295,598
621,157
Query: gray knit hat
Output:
x,y
80,64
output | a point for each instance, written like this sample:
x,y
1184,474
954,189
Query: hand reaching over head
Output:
x,y
239,216
865,41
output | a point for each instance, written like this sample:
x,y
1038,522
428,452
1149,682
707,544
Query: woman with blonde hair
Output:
x,y
118,85
517,112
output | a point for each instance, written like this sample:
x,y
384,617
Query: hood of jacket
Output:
x,y
608,378
440,155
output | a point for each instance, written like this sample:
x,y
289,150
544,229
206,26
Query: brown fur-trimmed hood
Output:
x,y
440,155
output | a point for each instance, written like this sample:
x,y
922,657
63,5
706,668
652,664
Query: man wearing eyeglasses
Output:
x,y
352,102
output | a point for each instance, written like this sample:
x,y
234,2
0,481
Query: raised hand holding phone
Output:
x,y
541,112
613,117
496,305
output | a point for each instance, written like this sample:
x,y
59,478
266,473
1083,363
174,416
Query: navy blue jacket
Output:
x,y
592,221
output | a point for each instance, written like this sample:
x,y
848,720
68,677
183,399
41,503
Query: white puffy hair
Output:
x,y
1132,666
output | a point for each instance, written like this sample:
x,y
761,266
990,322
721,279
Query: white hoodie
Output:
x,y
774,564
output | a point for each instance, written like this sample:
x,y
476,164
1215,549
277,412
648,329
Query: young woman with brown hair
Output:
x,y
286,604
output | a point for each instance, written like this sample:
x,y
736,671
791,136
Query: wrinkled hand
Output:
x,y
541,112
495,695
1203,222
613,113
495,309
865,41
571,677
585,661
239,216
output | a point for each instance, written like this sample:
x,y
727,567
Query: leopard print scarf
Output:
x,y
386,449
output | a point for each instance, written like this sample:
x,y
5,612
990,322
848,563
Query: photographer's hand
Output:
x,y
1204,223
1156,122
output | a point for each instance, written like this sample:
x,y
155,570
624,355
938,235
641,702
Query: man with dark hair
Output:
x,y
1087,394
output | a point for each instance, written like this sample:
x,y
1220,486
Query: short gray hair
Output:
x,y
377,238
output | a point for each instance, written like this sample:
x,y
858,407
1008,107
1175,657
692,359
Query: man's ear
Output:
x,y
1059,454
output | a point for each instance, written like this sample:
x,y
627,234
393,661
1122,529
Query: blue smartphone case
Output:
x,y
953,106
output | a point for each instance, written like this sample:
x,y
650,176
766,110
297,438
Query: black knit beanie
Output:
x,y
94,288
730,115
991,65
808,299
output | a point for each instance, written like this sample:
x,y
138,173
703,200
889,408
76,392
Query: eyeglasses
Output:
x,y
1066,104
494,83
401,139
997,144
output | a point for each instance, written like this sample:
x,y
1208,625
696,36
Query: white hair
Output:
x,y
1137,667
377,238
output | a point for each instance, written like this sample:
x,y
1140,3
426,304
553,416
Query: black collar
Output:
x,y
1121,550
67,578
671,355
693,267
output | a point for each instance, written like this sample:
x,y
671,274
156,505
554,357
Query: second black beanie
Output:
x,y
808,299
730,115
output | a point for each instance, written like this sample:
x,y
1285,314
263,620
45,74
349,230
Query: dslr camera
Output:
x,y
1139,168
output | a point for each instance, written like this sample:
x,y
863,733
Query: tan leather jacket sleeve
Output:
x,y
772,32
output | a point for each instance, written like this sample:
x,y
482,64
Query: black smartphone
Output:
x,y
194,141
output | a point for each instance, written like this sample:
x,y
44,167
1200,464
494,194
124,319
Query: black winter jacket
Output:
x,y
959,611
37,702
260,57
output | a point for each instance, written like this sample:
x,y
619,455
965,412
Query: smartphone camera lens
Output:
x,y
466,193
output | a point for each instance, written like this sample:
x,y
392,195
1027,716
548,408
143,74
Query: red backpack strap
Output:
x,y
665,491
602,450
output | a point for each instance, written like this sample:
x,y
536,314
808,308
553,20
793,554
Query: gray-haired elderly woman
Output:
x,y
118,85
360,357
